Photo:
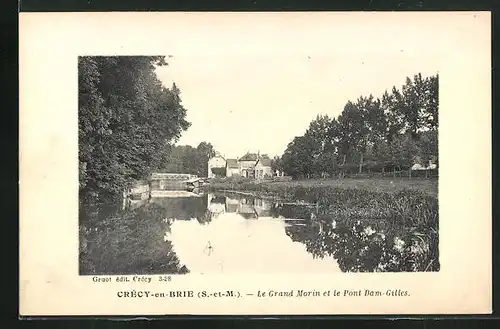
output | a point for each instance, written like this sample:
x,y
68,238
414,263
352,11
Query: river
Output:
x,y
235,233
222,232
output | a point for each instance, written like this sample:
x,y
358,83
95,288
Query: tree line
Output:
x,y
391,132
127,123
189,160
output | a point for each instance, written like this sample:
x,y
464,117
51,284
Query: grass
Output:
x,y
390,185
128,242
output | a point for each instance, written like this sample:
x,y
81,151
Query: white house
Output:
x,y
251,165
247,164
217,161
263,168
418,166
232,168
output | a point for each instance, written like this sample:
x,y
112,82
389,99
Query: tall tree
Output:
x,y
395,129
403,151
415,100
373,117
318,131
276,164
321,140
189,160
431,117
391,105
352,133
297,157
204,151
428,145
126,121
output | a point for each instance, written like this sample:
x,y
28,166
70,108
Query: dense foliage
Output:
x,y
126,121
375,134
189,160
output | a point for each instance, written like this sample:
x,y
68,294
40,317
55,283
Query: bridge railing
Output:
x,y
172,176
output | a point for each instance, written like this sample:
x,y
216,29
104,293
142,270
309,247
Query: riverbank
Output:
x,y
281,188
407,211
128,242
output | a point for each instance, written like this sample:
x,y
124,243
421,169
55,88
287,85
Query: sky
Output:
x,y
255,87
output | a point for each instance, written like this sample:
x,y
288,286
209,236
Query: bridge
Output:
x,y
161,181
172,176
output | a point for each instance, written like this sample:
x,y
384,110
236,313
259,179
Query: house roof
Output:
x,y
232,163
266,162
249,157
218,155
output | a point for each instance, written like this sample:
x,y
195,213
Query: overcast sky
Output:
x,y
255,87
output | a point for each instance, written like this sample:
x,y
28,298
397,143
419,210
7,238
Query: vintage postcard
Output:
x,y
255,163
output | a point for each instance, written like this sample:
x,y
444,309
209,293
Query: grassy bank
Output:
x,y
405,215
279,188
128,242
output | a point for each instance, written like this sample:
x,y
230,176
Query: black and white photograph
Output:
x,y
294,163
258,164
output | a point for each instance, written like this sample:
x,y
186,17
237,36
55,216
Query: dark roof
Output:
x,y
249,157
232,163
265,162
218,155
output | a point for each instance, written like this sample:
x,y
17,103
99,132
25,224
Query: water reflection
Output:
x,y
181,232
232,243
368,246
246,206
246,234
239,235
128,242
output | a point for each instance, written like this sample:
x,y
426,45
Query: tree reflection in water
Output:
x,y
129,242
368,246
383,244
358,244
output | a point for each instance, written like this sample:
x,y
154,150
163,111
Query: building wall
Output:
x,y
261,171
232,172
246,166
215,162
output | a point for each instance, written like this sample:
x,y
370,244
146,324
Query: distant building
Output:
x,y
232,168
418,166
263,168
219,163
251,165
247,165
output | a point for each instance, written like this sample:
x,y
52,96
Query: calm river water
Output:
x,y
234,233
